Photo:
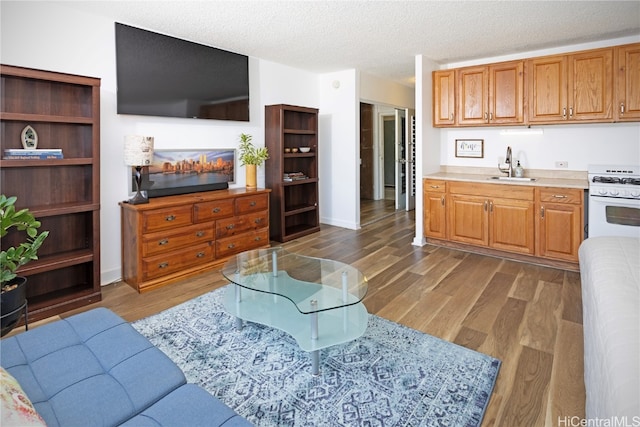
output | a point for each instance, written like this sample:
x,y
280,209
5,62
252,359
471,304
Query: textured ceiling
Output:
x,y
378,37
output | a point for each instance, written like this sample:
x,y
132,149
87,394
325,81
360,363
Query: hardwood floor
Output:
x,y
528,316
374,210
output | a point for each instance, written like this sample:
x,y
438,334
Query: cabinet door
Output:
x,y
547,89
591,85
560,231
434,215
473,93
468,219
511,225
506,93
627,106
444,98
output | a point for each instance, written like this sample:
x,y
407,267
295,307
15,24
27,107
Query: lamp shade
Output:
x,y
138,150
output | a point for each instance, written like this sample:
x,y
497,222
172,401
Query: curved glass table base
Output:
x,y
316,301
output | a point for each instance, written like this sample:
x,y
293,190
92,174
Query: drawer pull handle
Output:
x,y
163,242
258,220
253,203
200,255
622,108
435,186
542,212
231,226
257,239
559,196
442,200
216,210
200,233
163,265
485,205
170,218
231,246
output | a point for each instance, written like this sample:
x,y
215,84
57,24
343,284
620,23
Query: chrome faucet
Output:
x,y
507,166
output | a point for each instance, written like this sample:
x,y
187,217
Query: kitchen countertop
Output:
x,y
544,178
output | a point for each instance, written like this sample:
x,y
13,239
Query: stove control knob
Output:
x,y
635,193
602,191
614,192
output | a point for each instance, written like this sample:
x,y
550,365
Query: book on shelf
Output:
x,y
294,176
27,154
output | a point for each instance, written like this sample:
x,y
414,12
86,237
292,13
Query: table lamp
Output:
x,y
138,152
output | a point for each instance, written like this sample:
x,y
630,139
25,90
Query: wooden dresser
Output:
x,y
174,237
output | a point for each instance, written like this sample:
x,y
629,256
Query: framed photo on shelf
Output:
x,y
473,148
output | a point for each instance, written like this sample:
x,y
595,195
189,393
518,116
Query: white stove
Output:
x,y
614,200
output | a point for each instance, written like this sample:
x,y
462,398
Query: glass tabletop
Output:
x,y
312,284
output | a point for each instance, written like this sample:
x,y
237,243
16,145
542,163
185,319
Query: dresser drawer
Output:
x,y
258,202
207,211
162,219
169,240
236,225
560,195
172,262
240,243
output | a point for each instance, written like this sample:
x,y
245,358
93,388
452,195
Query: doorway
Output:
x,y
385,163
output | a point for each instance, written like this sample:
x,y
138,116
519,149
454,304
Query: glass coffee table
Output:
x,y
317,301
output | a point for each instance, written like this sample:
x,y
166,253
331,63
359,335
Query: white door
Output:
x,y
405,161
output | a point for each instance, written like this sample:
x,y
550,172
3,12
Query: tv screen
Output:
x,y
159,75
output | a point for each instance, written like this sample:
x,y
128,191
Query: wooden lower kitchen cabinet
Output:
x,y
496,216
559,222
543,225
175,237
434,211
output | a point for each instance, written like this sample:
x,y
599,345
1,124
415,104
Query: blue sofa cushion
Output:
x,y
90,369
190,406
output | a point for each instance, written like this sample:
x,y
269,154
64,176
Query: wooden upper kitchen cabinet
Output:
x,y
490,94
444,98
627,106
576,87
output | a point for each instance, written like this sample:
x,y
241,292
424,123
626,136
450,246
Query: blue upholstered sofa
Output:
x,y
94,369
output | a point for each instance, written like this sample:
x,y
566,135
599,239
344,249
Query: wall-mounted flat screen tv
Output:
x,y
187,171
159,75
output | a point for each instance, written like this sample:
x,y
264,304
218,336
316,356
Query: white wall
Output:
x,y
53,37
375,90
339,168
427,137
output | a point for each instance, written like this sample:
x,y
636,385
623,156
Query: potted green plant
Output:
x,y
13,292
251,157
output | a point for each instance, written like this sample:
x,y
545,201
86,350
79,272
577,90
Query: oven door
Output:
x,y
609,216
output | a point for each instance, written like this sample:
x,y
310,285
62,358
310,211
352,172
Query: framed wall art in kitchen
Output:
x,y
470,148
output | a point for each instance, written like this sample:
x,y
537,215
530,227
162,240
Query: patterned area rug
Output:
x,y
391,376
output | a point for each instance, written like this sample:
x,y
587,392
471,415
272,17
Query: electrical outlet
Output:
x,y
562,164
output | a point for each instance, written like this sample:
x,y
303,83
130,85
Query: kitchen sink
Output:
x,y
512,178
